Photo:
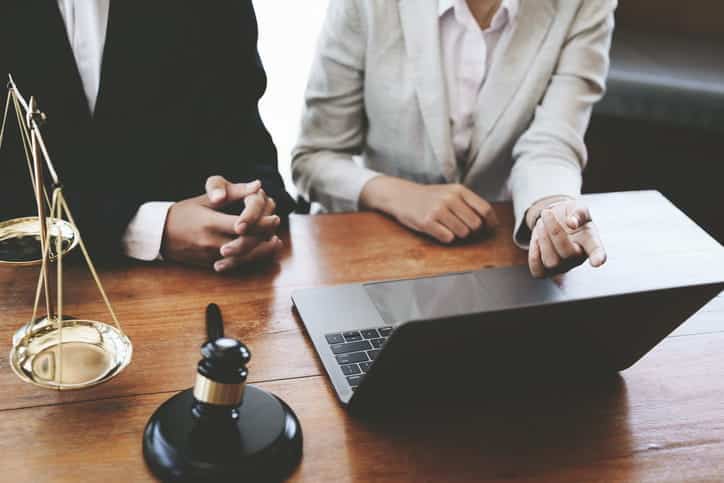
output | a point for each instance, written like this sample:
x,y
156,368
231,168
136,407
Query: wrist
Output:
x,y
378,194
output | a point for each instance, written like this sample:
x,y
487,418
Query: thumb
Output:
x,y
239,191
216,190
578,218
220,191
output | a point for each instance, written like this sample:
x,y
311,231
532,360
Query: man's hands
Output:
x,y
445,212
563,237
198,234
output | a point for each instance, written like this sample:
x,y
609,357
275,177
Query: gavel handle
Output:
x,y
214,323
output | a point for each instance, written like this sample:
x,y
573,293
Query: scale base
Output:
x,y
264,444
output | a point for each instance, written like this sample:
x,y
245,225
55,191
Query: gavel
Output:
x,y
222,429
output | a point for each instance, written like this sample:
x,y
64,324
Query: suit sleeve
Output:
x,y
334,124
236,141
551,154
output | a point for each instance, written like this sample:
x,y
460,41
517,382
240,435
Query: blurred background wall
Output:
x,y
288,31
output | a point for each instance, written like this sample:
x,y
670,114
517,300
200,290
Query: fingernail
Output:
x,y
217,194
224,250
220,265
573,221
241,227
277,220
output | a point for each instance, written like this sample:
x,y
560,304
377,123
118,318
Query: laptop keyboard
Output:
x,y
356,349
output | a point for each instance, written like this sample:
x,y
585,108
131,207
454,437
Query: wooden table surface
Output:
x,y
662,420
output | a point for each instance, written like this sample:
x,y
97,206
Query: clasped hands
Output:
x,y
197,233
563,234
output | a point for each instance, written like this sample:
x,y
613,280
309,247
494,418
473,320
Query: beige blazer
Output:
x,y
376,102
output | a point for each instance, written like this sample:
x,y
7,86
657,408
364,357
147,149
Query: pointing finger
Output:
x,y
588,239
558,236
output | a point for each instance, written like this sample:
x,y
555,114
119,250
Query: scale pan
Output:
x,y
91,353
20,240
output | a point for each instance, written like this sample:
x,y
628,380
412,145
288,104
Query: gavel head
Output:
x,y
221,375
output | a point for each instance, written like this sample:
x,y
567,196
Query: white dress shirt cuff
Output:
x,y
536,183
144,234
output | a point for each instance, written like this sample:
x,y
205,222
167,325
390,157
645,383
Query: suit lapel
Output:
x,y
421,30
510,65
57,56
106,61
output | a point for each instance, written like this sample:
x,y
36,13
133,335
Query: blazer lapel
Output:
x,y
510,65
57,57
421,30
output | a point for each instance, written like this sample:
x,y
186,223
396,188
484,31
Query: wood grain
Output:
x,y
662,421
161,307
642,427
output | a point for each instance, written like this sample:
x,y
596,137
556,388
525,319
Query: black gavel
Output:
x,y
222,429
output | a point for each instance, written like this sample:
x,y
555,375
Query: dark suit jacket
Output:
x,y
180,83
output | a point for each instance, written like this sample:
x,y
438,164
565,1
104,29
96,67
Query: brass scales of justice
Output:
x,y
54,351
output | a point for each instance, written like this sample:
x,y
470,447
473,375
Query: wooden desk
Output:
x,y
663,420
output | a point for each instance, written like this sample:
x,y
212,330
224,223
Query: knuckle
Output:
x,y
207,226
207,243
438,212
428,221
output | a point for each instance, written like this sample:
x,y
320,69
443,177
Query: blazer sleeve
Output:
x,y
333,122
551,154
236,141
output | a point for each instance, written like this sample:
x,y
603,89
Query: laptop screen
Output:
x,y
459,294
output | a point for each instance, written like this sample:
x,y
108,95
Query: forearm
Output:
x,y
330,178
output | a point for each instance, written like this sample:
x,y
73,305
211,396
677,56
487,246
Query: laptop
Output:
x,y
386,345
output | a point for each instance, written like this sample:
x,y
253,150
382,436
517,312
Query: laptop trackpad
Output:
x,y
460,294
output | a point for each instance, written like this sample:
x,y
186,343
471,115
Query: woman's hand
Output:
x,y
196,233
563,237
446,212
